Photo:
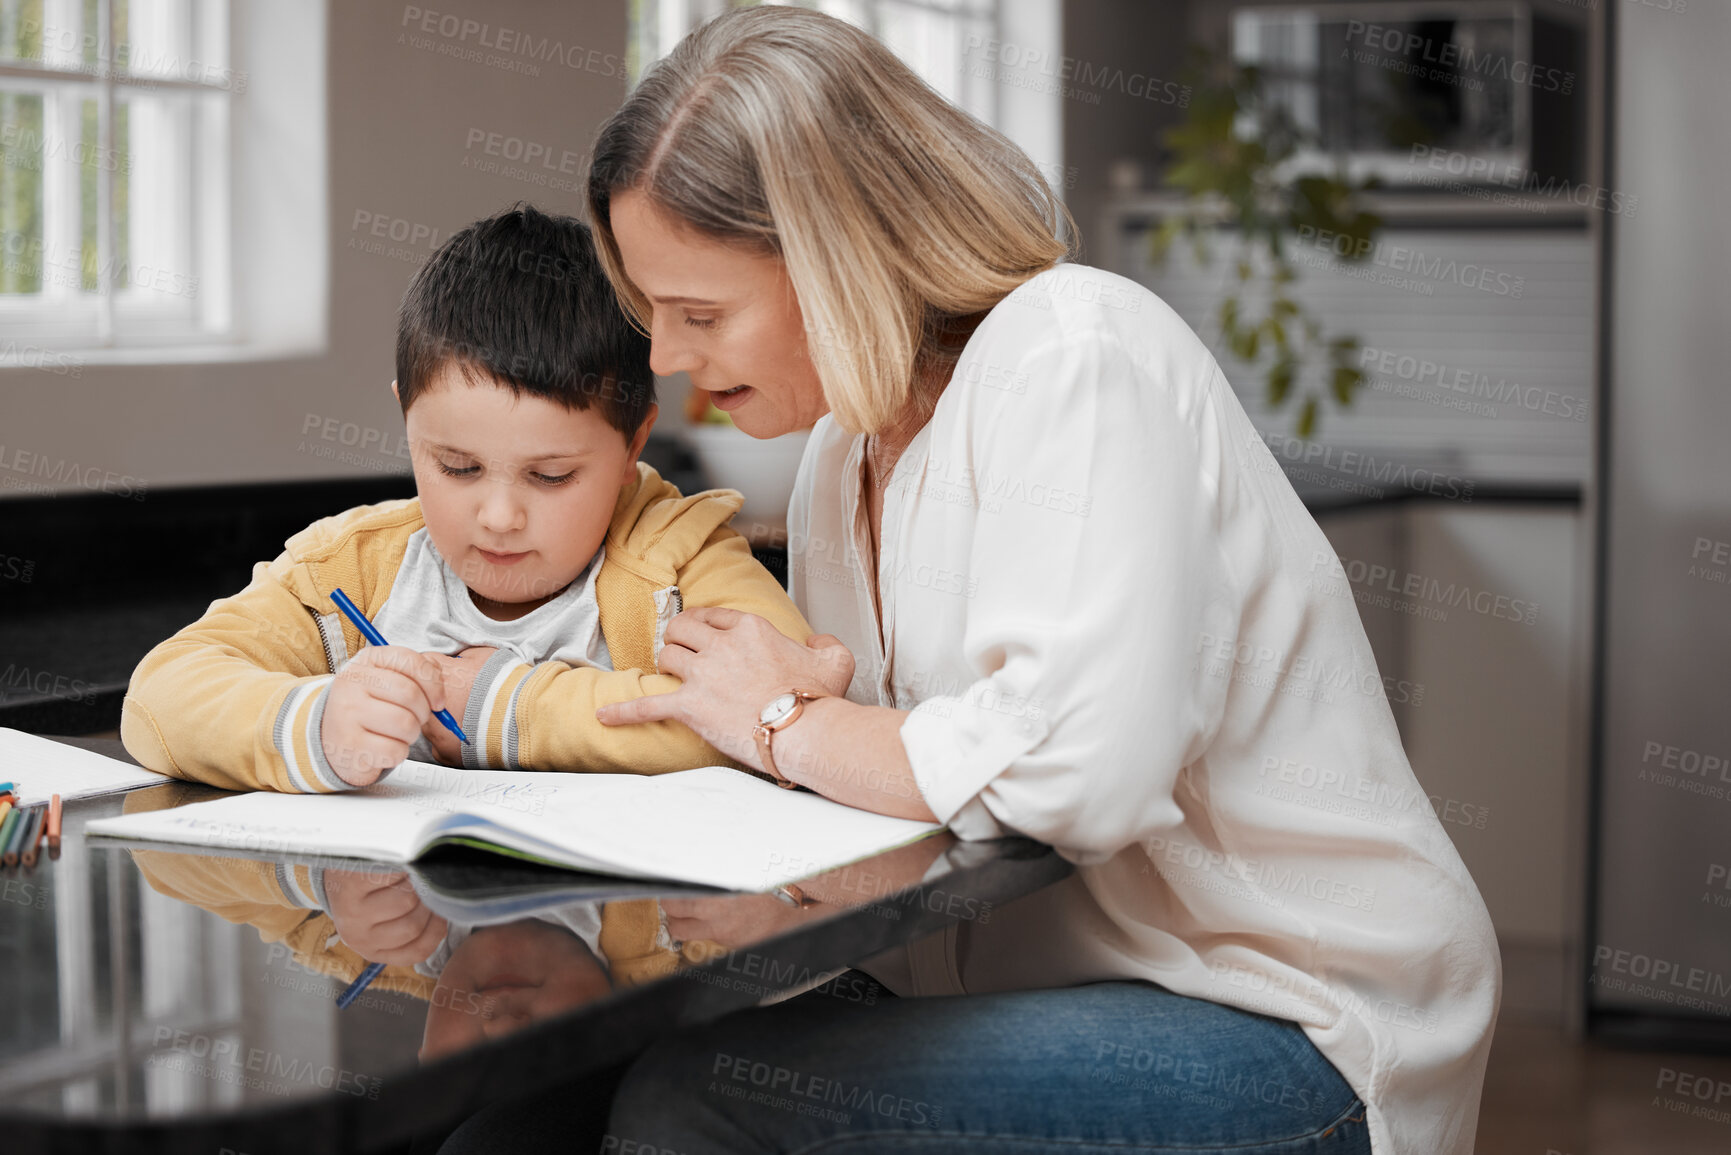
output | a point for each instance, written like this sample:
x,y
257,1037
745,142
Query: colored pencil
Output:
x,y
19,820
54,826
32,834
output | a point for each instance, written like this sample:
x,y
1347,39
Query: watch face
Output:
x,y
776,709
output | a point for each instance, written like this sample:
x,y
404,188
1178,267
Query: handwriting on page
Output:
x,y
447,790
264,838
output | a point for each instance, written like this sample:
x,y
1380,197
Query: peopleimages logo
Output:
x,y
1068,68
1450,55
1405,259
1480,169
512,48
27,148
1473,386
1665,980
61,471
1325,460
137,64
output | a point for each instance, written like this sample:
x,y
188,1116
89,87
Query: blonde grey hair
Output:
x,y
900,218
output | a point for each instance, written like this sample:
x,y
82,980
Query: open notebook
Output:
x,y
712,826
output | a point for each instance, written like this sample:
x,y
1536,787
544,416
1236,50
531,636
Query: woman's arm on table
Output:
x,y
853,754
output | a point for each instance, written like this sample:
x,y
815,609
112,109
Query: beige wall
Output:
x,y
399,120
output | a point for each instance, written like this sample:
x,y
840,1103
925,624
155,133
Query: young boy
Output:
x,y
528,398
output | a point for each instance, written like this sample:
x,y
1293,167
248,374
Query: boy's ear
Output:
x,y
638,441
394,392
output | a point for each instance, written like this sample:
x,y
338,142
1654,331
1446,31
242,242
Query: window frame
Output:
x,y
62,315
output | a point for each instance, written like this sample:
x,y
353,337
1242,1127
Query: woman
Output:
x,y
1069,595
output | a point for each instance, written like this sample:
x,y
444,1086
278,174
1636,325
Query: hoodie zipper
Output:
x,y
319,625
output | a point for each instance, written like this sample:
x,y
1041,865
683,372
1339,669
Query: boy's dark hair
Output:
x,y
520,298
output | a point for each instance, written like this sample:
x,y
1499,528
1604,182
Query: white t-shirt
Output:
x,y
1120,632
429,609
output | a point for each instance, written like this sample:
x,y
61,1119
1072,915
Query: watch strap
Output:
x,y
765,731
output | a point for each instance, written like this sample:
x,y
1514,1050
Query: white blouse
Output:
x,y
1120,632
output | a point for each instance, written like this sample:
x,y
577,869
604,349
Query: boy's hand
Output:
x,y
382,917
378,705
459,674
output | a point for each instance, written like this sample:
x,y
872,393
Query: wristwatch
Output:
x,y
782,711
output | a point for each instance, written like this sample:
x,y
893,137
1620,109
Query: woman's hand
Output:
x,y
458,674
732,922
732,664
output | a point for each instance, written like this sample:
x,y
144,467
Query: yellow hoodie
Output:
x,y
235,698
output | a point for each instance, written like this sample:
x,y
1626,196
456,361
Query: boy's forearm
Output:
x,y
554,726
206,704
220,721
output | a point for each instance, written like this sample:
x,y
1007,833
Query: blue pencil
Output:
x,y
354,989
375,638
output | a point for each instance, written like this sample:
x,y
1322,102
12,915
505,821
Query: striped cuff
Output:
x,y
490,719
297,737
434,964
302,886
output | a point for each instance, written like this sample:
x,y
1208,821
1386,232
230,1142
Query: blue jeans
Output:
x,y
1108,1067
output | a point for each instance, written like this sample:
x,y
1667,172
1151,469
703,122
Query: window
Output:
x,y
114,173
951,44
933,37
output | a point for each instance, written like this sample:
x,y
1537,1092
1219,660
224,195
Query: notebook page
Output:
x,y
39,768
378,826
713,826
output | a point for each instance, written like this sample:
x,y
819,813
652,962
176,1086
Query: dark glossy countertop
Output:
x,y
154,1000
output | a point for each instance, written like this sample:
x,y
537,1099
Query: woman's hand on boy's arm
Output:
x,y
731,664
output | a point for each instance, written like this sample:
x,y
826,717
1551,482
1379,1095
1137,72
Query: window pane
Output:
x,y
20,29
119,164
93,162
155,38
153,184
87,254
20,193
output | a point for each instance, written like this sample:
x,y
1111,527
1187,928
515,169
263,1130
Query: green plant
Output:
x,y
1227,157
